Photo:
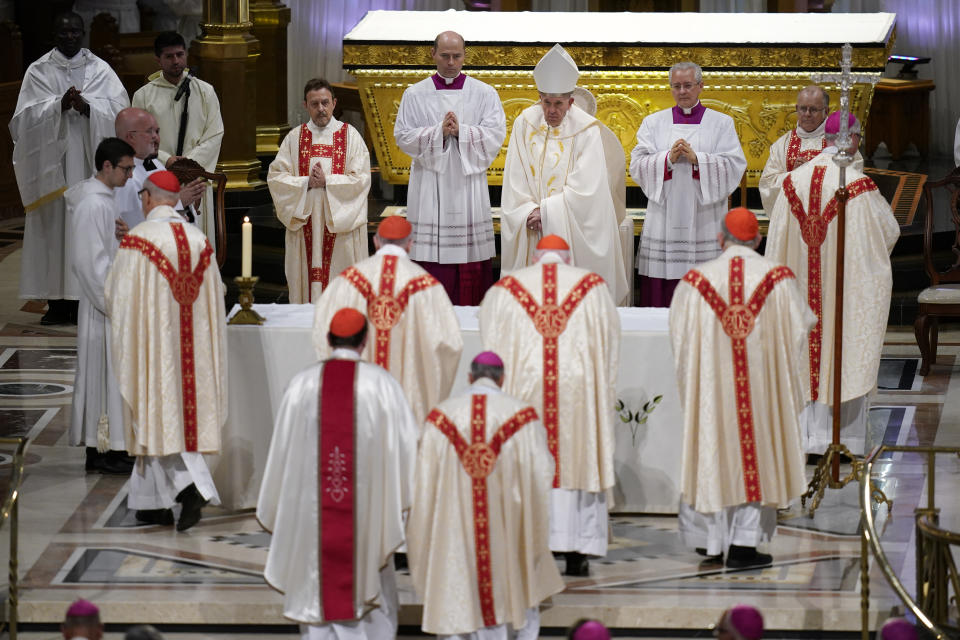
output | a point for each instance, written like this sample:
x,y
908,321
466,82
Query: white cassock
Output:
x,y
448,202
564,171
365,492
570,377
326,226
54,150
477,533
414,332
204,131
805,239
164,297
738,325
685,206
91,212
791,150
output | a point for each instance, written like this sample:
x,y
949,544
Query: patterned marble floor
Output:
x,y
78,539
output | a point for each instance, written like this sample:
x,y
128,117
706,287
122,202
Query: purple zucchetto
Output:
x,y
591,630
832,127
83,609
488,358
747,621
897,629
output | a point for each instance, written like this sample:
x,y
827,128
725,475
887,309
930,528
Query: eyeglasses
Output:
x,y
127,169
141,192
809,109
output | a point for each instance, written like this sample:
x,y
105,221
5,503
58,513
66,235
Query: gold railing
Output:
x,y
936,570
9,511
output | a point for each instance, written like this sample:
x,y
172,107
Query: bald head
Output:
x,y
139,129
448,52
449,37
812,107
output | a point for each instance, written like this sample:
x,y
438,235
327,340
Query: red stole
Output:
x,y
550,320
338,153
478,459
385,309
813,230
738,320
796,157
185,286
336,476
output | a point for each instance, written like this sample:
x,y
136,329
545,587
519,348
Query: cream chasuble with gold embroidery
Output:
x,y
326,227
563,171
477,533
414,333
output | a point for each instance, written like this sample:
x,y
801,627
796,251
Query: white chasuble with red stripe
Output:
x,y
738,327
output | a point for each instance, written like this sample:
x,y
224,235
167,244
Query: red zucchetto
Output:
x,y
165,180
742,224
553,242
347,322
394,228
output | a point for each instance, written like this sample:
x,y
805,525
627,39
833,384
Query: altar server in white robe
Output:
x,y
799,145
319,182
97,415
338,479
558,332
67,103
803,235
452,126
556,182
164,297
738,324
478,531
687,160
416,334
198,103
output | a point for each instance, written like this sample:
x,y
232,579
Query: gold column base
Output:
x,y
269,137
242,175
246,315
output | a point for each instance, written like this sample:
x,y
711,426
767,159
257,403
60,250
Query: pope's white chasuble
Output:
x,y
557,330
477,533
326,227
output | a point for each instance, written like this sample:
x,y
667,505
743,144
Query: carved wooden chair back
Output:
x,y
933,192
188,170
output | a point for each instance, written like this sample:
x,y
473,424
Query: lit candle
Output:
x,y
246,256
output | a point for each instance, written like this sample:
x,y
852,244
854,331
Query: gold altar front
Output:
x,y
756,86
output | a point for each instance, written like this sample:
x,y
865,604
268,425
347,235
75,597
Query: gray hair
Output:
x,y
142,632
683,66
729,238
823,94
478,370
162,195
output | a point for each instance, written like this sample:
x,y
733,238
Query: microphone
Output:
x,y
184,87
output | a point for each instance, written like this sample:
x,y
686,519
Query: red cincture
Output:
x,y
738,320
478,459
336,497
796,157
338,154
550,319
185,287
813,229
385,309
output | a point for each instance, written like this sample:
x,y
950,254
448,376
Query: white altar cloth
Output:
x,y
264,358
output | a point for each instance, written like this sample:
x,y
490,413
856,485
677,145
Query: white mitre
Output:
x,y
556,72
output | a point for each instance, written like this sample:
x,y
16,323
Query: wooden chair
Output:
x,y
942,298
188,170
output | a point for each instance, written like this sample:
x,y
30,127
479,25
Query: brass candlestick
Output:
x,y
246,315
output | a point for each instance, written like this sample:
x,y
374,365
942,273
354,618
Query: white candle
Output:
x,y
246,256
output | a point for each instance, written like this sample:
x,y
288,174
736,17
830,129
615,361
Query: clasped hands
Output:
x,y
682,148
73,100
318,179
451,127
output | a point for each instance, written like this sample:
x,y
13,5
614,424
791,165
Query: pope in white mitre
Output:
x,y
338,478
319,183
803,235
558,332
738,326
67,104
799,145
556,181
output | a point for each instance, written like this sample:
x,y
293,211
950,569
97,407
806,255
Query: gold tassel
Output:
x,y
103,434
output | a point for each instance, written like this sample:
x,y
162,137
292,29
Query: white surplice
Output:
x,y
53,150
448,202
442,545
340,207
684,211
91,214
563,171
871,233
425,343
288,506
204,130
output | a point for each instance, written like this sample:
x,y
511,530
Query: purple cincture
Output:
x,y
696,115
441,84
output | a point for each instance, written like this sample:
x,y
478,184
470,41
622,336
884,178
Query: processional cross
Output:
x,y
827,473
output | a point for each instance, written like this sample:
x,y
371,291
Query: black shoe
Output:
x,y
193,504
813,459
93,460
72,308
116,463
746,557
155,516
703,552
577,564
58,312
400,561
